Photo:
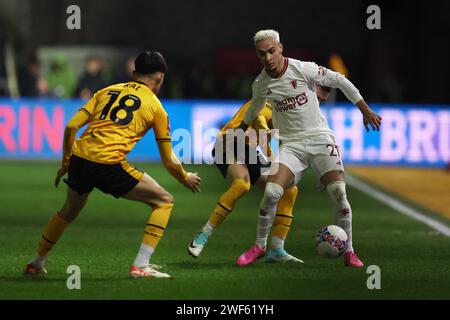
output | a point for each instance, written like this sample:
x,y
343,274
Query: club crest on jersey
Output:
x,y
268,92
291,103
294,84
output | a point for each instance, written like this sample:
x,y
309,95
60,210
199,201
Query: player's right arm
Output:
x,y
80,119
326,77
258,103
168,157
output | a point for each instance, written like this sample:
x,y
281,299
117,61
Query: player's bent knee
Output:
x,y
291,193
241,186
159,200
167,198
273,192
336,190
332,176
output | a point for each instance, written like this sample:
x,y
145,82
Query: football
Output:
x,y
331,241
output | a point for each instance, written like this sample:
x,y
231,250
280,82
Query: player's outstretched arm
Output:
x,y
329,78
173,165
170,161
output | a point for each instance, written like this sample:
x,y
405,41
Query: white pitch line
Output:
x,y
397,205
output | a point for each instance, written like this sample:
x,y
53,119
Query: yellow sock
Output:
x,y
157,224
227,200
283,215
51,235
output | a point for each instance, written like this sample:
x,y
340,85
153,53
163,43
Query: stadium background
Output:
x,y
47,72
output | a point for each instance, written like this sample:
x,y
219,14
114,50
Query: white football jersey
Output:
x,y
295,108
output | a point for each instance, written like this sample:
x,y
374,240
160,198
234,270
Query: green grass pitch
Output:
x,y
414,260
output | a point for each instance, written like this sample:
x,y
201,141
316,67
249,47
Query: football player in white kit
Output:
x,y
306,140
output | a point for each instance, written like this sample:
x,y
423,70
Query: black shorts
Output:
x,y
254,168
115,179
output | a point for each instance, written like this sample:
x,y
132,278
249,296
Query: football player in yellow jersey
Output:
x,y
118,116
242,176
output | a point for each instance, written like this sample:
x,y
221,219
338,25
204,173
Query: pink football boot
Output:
x,y
352,260
250,256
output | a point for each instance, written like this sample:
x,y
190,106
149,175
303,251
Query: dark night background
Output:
x,y
208,44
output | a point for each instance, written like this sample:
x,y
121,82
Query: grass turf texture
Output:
x,y
103,241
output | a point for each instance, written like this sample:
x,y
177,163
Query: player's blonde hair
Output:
x,y
266,34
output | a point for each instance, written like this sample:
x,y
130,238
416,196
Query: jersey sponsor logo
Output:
x,y
291,103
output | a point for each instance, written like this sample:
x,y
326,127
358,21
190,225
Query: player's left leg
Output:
x,y
151,193
54,230
240,186
283,179
334,181
281,226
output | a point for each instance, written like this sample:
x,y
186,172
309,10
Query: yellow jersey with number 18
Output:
x,y
119,116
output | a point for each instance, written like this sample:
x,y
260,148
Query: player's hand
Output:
x,y
61,172
372,119
193,181
369,116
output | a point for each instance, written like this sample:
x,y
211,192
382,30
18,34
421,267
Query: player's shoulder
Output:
x,y
300,64
261,80
105,90
303,68
260,76
114,86
155,104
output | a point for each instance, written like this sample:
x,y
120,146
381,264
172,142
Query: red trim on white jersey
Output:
x,y
285,66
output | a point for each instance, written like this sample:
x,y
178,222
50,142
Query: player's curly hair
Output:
x,y
149,62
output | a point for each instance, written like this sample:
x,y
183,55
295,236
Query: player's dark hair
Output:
x,y
149,62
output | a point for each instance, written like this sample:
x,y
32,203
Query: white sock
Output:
x,y
208,228
39,261
277,242
272,194
336,190
143,256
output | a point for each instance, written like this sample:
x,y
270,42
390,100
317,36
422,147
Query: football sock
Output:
x,y
277,242
157,224
51,235
208,228
143,256
38,261
227,200
337,193
283,217
272,194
